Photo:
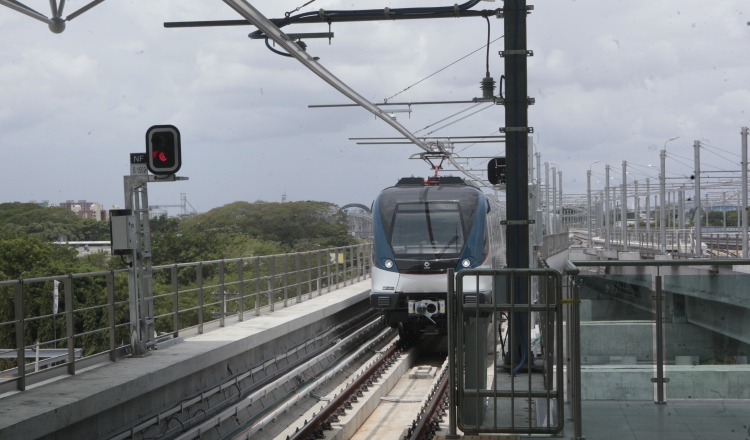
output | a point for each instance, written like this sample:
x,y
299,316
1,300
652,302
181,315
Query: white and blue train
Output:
x,y
422,228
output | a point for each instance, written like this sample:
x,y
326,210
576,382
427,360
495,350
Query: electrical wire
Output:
x,y
288,14
440,70
491,134
487,74
445,119
708,149
277,52
717,148
461,119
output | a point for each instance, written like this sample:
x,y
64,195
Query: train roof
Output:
x,y
437,180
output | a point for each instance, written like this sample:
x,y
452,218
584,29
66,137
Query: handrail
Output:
x,y
252,284
661,263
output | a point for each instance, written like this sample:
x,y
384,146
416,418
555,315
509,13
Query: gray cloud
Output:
x,y
611,80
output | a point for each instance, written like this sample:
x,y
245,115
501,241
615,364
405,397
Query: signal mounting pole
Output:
x,y
516,133
516,129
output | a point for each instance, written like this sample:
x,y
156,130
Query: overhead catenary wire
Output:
x,y
461,119
470,145
449,117
704,144
440,70
708,149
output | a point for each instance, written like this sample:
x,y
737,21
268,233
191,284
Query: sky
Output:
x,y
612,80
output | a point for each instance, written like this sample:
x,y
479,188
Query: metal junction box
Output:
x,y
122,228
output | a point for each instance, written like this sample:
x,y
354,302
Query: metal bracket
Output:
x,y
655,380
387,12
517,222
509,129
528,53
530,100
500,13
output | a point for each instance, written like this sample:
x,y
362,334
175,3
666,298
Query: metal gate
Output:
x,y
506,351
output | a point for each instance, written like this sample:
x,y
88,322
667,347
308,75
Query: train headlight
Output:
x,y
466,262
388,264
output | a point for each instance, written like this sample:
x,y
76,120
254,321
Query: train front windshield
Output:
x,y
427,230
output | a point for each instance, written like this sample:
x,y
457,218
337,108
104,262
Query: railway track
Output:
x,y
398,381
324,389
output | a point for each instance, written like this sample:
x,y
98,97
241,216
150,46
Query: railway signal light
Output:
x,y
163,151
496,171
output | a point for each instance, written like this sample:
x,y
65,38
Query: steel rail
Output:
x,y
316,423
425,422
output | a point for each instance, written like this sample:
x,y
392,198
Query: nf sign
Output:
x,y
138,164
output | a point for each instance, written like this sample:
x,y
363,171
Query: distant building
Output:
x,y
86,209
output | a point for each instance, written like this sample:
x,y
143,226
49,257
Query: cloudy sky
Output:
x,y
613,80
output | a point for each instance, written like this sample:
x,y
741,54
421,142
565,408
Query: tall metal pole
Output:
x,y
707,209
614,209
681,203
516,128
624,206
662,200
697,222
607,219
744,192
588,195
547,206
724,209
562,211
554,193
637,212
538,170
648,206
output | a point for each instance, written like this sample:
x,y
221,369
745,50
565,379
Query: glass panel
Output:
x,y
617,336
707,335
428,229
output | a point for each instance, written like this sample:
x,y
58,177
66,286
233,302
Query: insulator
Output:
x,y
488,87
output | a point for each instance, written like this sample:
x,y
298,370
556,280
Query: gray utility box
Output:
x,y
122,228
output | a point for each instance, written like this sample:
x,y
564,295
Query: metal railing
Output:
x,y
554,244
507,403
188,299
679,243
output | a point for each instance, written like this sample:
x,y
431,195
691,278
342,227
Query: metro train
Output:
x,y
421,228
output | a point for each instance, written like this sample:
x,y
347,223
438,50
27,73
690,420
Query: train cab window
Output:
x,y
428,230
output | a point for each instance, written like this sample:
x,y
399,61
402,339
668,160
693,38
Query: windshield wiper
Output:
x,y
453,240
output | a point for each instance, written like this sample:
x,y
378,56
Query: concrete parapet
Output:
x,y
99,402
629,256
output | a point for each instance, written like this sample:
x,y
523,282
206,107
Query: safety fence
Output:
x,y
91,317
678,243
554,244
506,352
